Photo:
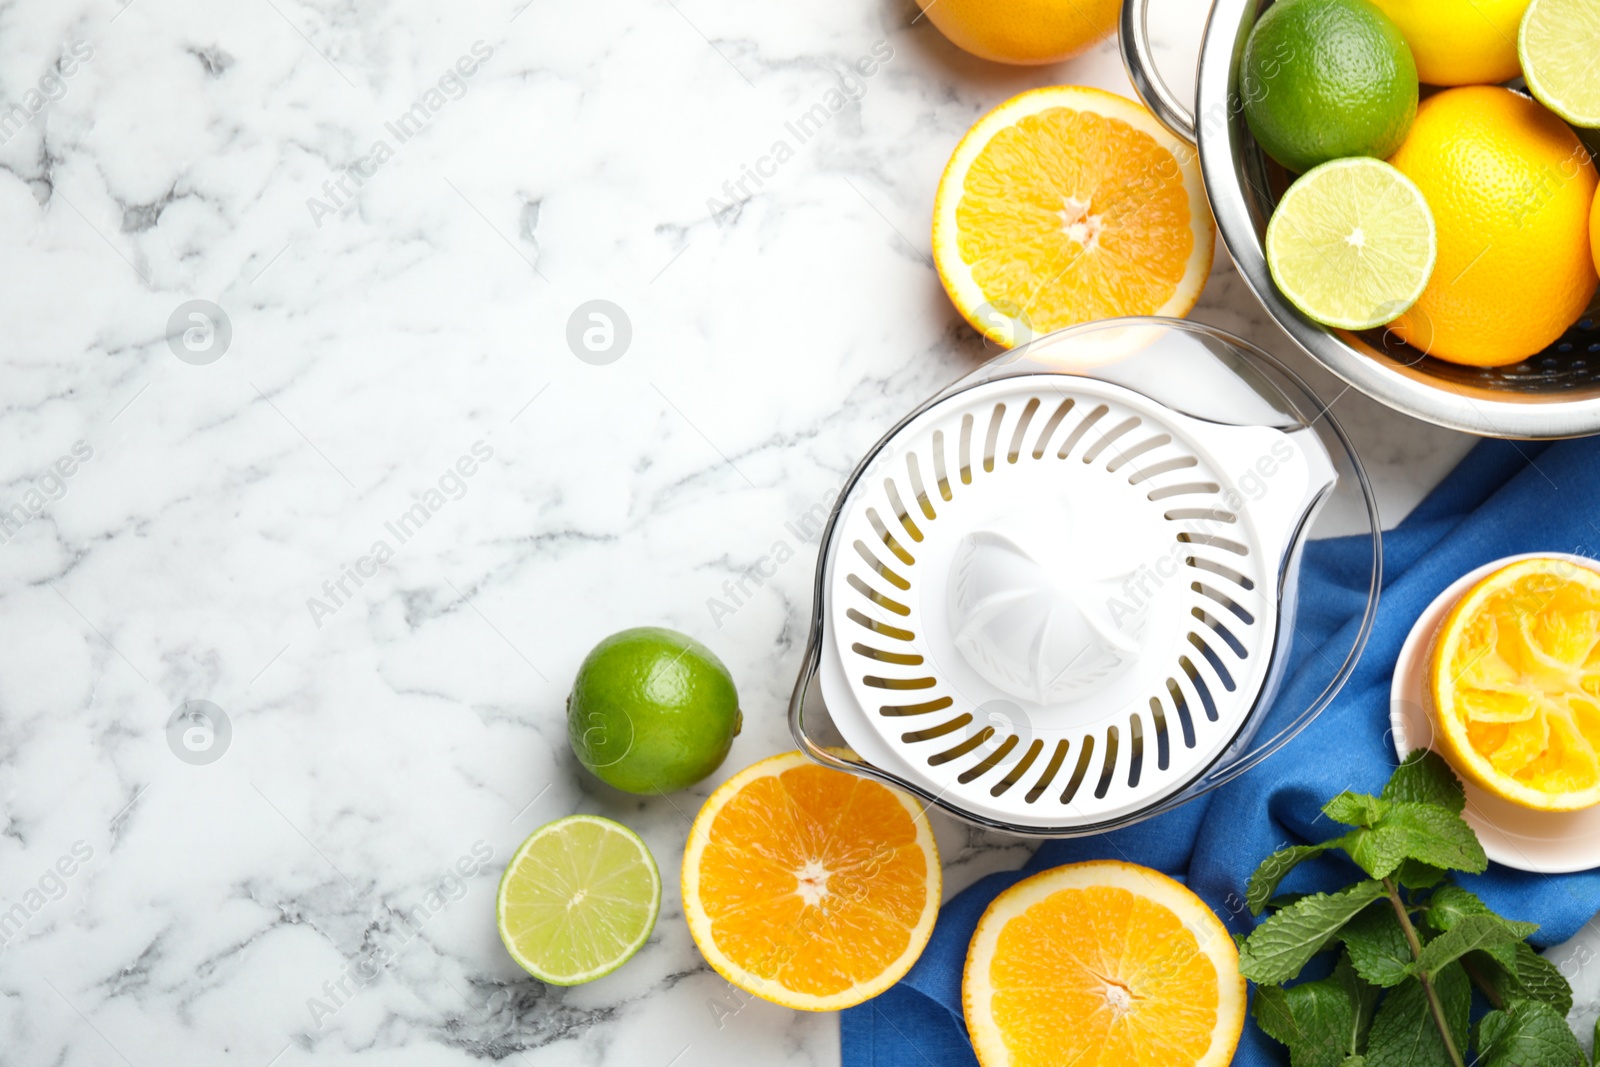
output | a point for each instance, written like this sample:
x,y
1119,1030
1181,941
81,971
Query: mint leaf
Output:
x,y
1273,869
1404,1033
1527,1034
1542,980
1492,1027
1425,778
1363,996
1355,809
1378,947
1322,1022
1275,1017
1450,905
1379,851
1312,1019
1414,874
1413,831
1284,943
1473,932
1522,974
1437,836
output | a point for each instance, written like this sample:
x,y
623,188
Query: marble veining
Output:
x,y
375,495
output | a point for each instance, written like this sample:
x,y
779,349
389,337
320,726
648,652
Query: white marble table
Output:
x,y
398,208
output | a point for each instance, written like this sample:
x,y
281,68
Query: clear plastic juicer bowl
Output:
x,y
1060,596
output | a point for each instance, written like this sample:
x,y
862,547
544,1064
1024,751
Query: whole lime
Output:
x,y
1327,79
652,711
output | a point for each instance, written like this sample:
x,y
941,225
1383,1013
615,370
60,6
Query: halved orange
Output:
x,y
1102,964
1514,684
810,887
1066,205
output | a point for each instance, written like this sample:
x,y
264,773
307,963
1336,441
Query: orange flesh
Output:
x,y
1072,216
813,879
1101,977
1526,682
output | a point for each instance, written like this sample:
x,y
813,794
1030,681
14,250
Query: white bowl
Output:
x,y
1541,841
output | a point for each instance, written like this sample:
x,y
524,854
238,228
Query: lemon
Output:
x,y
1460,42
1352,243
1513,685
1559,44
652,711
1326,79
1023,31
1511,189
1065,205
578,899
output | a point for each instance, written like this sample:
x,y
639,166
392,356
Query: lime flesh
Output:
x,y
1559,45
578,899
1352,244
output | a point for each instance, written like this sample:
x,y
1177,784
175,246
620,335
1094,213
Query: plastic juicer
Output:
x,y
1061,595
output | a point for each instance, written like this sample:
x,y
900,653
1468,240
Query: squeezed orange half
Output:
x,y
1514,685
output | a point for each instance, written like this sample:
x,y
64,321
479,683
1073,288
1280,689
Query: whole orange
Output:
x,y
1511,189
1023,31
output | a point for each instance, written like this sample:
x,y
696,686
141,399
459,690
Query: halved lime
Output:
x,y
1352,243
1559,45
578,899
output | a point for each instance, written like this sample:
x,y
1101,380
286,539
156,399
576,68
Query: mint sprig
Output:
x,y
1413,945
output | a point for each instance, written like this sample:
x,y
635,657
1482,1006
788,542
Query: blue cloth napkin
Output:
x,y
1504,498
